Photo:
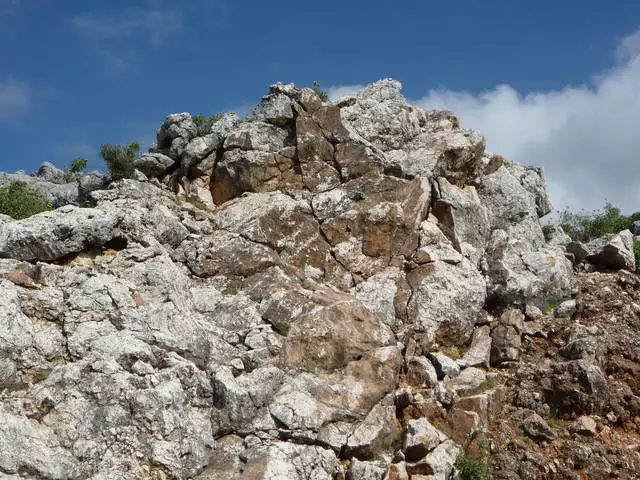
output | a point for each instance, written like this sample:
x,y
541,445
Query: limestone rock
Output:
x,y
420,439
52,235
153,165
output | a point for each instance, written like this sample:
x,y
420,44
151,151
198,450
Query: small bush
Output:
x,y
636,252
324,96
78,165
358,194
19,201
119,159
583,226
473,463
203,124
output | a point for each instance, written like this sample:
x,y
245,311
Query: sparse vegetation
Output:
x,y
358,194
78,165
19,201
473,462
583,226
204,124
119,159
323,94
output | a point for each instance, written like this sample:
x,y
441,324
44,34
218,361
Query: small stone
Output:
x,y
584,426
532,312
566,309
421,372
537,428
444,365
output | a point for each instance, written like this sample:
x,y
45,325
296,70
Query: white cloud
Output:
x,y
14,99
587,138
338,91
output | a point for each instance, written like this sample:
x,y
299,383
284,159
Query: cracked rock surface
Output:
x,y
313,294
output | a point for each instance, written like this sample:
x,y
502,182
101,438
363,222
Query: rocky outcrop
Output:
x,y
310,293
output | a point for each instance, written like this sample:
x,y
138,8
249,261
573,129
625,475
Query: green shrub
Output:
x,y
473,462
636,252
78,165
358,194
19,201
324,96
119,159
583,226
203,124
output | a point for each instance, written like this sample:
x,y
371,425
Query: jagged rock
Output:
x,y
437,465
462,217
535,427
52,235
421,372
479,352
446,300
506,337
420,439
377,433
359,470
445,366
469,379
154,165
578,387
614,251
50,173
174,134
197,150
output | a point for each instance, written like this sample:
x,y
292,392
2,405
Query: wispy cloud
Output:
x,y
154,24
336,92
15,99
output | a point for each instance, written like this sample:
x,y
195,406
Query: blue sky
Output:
x,y
76,74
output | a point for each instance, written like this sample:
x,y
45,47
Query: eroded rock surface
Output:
x,y
312,294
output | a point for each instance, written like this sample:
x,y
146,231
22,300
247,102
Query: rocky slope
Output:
x,y
323,291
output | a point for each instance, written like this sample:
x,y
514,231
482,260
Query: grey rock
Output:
x,y
479,353
469,379
421,372
437,465
376,434
52,235
50,173
154,165
421,437
614,251
537,428
507,337
566,308
445,366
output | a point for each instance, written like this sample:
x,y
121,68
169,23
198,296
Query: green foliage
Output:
x,y
358,194
119,159
324,96
636,252
204,124
583,226
19,201
547,230
473,463
78,165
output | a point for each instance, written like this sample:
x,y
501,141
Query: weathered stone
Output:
x,y
420,439
479,353
445,366
506,337
613,251
469,379
537,428
584,426
52,235
421,372
154,165
360,470
377,433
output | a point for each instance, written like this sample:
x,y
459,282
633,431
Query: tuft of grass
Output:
x,y
473,462
324,96
19,201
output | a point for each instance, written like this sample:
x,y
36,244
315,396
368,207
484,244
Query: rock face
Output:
x,y
250,311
